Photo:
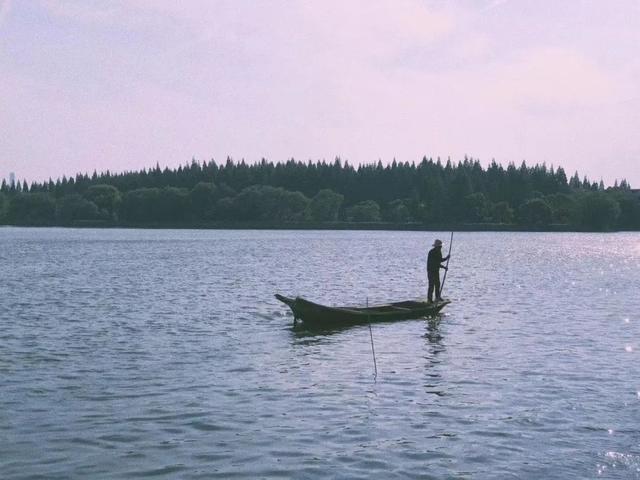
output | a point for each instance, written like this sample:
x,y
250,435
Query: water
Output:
x,y
129,353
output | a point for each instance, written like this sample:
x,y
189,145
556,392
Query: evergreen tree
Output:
x,y
575,183
427,192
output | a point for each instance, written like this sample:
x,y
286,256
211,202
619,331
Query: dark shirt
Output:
x,y
434,260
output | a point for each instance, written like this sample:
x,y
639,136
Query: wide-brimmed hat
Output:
x,y
437,243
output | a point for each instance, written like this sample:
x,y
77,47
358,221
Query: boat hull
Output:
x,y
320,315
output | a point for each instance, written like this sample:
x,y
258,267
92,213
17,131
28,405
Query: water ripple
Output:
x,y
163,354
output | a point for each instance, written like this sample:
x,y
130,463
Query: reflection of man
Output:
x,y
434,264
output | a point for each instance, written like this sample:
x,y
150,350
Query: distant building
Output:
x,y
12,179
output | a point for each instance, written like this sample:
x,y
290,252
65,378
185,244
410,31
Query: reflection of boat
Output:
x,y
315,314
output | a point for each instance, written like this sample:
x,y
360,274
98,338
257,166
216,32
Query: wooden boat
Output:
x,y
319,315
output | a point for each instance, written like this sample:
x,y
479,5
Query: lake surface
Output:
x,y
163,354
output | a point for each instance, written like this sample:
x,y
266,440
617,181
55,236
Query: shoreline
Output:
x,y
266,225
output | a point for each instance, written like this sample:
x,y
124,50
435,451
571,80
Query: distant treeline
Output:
x,y
426,193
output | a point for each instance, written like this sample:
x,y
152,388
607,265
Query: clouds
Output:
x,y
368,29
123,84
557,78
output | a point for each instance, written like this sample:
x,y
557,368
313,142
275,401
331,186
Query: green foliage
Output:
x,y
535,213
476,207
435,198
74,207
419,210
168,204
3,205
173,204
398,211
519,185
367,211
629,208
325,206
561,180
31,208
106,197
203,198
224,209
431,191
262,202
293,206
598,211
459,189
501,212
141,205
564,208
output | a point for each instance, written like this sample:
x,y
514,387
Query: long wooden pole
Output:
x,y
373,350
446,269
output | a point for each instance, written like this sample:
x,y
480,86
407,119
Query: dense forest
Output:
x,y
429,193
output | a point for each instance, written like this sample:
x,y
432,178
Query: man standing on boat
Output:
x,y
434,264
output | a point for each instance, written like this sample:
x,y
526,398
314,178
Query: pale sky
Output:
x,y
121,85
